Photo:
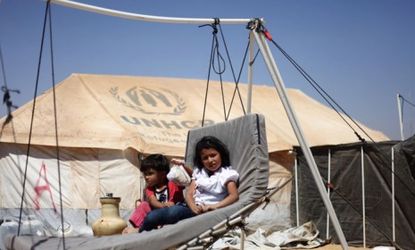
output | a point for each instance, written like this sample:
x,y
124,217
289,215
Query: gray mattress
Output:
x,y
246,140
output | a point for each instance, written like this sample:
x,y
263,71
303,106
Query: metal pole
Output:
x,y
398,98
250,71
328,191
296,191
242,239
146,18
279,85
362,158
393,193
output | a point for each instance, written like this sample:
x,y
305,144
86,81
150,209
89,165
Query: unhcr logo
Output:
x,y
150,101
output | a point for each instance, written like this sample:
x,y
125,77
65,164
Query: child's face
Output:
x,y
211,159
154,178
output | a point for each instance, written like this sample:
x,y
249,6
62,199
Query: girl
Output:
x,y
214,182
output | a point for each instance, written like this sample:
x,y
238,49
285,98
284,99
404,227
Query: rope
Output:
x,y
2,67
219,72
6,95
324,94
56,126
209,70
403,101
236,80
254,59
344,198
407,101
216,48
368,219
313,83
32,116
217,58
47,13
320,90
215,53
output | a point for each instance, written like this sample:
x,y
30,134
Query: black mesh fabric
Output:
x,y
346,192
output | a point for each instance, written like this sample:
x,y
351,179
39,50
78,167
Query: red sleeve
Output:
x,y
149,192
175,193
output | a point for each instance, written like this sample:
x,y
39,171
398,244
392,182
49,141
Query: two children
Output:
x,y
164,203
213,185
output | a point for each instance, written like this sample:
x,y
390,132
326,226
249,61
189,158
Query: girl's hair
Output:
x,y
157,162
211,142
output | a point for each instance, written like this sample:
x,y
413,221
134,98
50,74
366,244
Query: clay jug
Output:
x,y
110,222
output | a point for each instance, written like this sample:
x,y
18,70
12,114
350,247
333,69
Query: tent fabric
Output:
x,y
407,148
346,195
247,143
86,174
153,114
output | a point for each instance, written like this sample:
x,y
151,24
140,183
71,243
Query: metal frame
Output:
x,y
146,18
362,164
399,100
328,191
393,193
279,85
259,37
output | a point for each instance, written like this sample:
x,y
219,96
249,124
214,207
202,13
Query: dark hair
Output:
x,y
211,142
157,162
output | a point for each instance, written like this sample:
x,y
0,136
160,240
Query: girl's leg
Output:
x,y
166,215
177,213
153,219
137,217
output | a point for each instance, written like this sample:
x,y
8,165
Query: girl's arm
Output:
x,y
190,200
189,170
232,197
154,203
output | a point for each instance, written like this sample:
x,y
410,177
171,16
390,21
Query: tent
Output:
x,y
105,123
376,209
252,167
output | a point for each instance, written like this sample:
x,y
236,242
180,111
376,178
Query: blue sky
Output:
x,y
360,51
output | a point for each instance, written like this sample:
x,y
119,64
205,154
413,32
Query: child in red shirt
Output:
x,y
164,200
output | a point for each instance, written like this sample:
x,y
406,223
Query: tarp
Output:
x,y
153,114
382,209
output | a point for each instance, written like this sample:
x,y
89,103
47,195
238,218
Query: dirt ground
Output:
x,y
339,247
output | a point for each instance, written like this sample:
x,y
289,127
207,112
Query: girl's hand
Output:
x,y
176,161
180,162
197,209
168,204
233,196
207,208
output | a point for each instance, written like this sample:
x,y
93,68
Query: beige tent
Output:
x,y
104,122
154,114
